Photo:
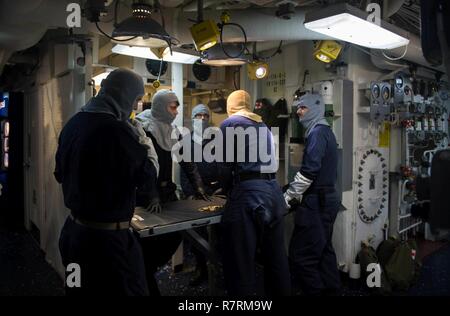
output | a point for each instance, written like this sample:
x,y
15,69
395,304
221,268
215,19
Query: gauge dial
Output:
x,y
399,82
376,91
386,93
407,90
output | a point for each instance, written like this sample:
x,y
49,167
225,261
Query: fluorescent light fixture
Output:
x,y
135,51
347,23
141,29
179,55
215,56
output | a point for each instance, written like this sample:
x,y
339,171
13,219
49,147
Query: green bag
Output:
x,y
402,268
386,249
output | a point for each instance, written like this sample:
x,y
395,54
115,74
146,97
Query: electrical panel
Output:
x,y
419,108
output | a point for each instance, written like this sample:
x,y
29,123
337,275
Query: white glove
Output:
x,y
297,188
286,200
147,143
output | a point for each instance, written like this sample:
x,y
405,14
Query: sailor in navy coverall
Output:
x,y
253,216
311,253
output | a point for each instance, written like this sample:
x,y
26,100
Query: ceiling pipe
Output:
x,y
414,54
382,63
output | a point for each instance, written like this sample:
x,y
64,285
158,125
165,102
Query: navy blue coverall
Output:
x,y
253,220
311,253
100,163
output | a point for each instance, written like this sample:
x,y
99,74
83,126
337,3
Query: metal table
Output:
x,y
184,216
176,216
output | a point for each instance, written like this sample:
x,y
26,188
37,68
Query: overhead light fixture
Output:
x,y
257,70
205,34
327,51
179,55
350,24
216,56
135,51
141,29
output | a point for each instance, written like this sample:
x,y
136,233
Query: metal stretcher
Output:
x,y
184,216
178,216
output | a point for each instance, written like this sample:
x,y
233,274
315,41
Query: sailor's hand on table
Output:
x,y
201,195
155,206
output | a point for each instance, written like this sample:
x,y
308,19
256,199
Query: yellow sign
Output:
x,y
384,135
